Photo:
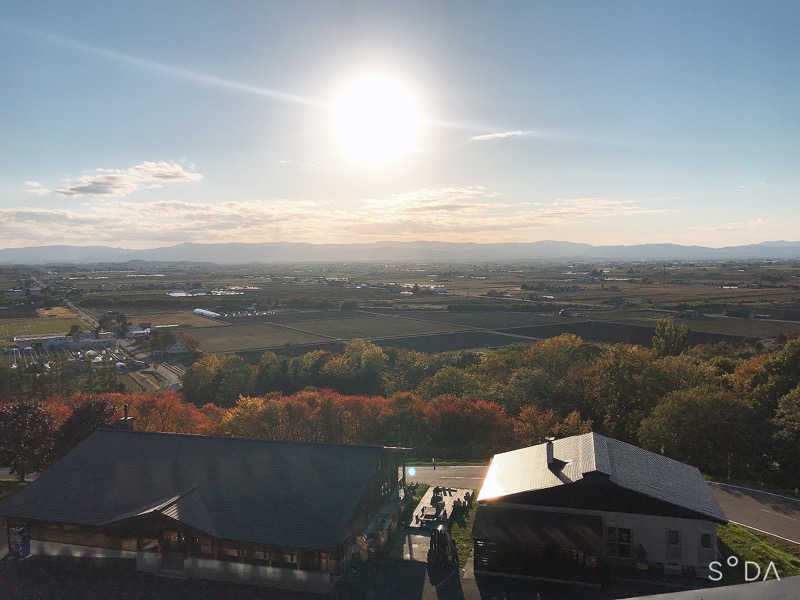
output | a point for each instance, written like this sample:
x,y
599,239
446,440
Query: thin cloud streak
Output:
x,y
212,80
499,135
166,69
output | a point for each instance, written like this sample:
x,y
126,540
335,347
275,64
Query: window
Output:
x,y
206,547
261,554
229,551
705,540
618,542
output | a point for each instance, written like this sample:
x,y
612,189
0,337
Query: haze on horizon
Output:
x,y
147,125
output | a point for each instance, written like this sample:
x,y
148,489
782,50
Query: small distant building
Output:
x,y
80,341
207,313
138,334
579,508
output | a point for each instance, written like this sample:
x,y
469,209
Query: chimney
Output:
x,y
553,463
549,448
126,422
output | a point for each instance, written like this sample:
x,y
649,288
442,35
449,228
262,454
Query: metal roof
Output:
x,y
651,474
289,494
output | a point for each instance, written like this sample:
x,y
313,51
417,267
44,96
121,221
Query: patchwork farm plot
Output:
x,y
249,336
367,326
183,318
260,334
34,326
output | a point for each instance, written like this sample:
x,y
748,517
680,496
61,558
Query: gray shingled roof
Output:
x,y
627,466
278,493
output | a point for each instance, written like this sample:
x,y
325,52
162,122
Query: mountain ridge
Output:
x,y
419,251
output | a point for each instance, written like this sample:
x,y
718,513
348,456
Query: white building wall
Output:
x,y
651,532
201,568
295,579
42,548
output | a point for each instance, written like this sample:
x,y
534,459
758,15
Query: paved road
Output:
x,y
458,477
760,510
770,513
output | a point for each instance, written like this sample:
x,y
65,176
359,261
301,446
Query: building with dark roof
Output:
x,y
286,514
580,507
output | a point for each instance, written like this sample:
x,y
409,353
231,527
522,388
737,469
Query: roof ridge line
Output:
x,y
244,439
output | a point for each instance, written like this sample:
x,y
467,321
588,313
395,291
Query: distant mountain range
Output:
x,y
417,252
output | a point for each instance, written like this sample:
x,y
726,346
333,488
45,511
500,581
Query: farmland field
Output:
x,y
450,342
614,333
60,312
251,335
373,327
183,318
482,320
34,326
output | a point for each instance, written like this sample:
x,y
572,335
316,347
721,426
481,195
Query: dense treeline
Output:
x,y
34,434
729,411
725,409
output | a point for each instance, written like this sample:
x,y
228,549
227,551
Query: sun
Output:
x,y
376,119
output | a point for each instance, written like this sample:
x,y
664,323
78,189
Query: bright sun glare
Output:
x,y
376,119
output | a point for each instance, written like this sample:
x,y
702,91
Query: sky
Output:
x,y
154,123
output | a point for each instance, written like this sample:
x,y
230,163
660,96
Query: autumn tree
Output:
x,y
26,438
787,433
707,426
670,338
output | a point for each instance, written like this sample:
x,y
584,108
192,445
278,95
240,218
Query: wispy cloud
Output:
x,y
500,135
121,182
445,213
36,188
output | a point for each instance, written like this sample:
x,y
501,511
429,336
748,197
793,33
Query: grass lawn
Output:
x,y
251,335
461,530
184,318
761,549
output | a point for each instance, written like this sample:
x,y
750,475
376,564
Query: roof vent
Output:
x,y
553,463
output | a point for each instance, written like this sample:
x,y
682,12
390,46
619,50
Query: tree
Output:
x,y
85,419
448,380
670,338
706,426
787,434
189,341
26,438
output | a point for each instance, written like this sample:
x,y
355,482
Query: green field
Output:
x,y
183,318
373,327
34,326
251,335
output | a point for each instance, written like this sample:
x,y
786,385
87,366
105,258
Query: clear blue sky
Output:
x,y
150,123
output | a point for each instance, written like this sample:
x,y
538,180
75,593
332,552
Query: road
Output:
x,y
776,515
770,513
457,476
